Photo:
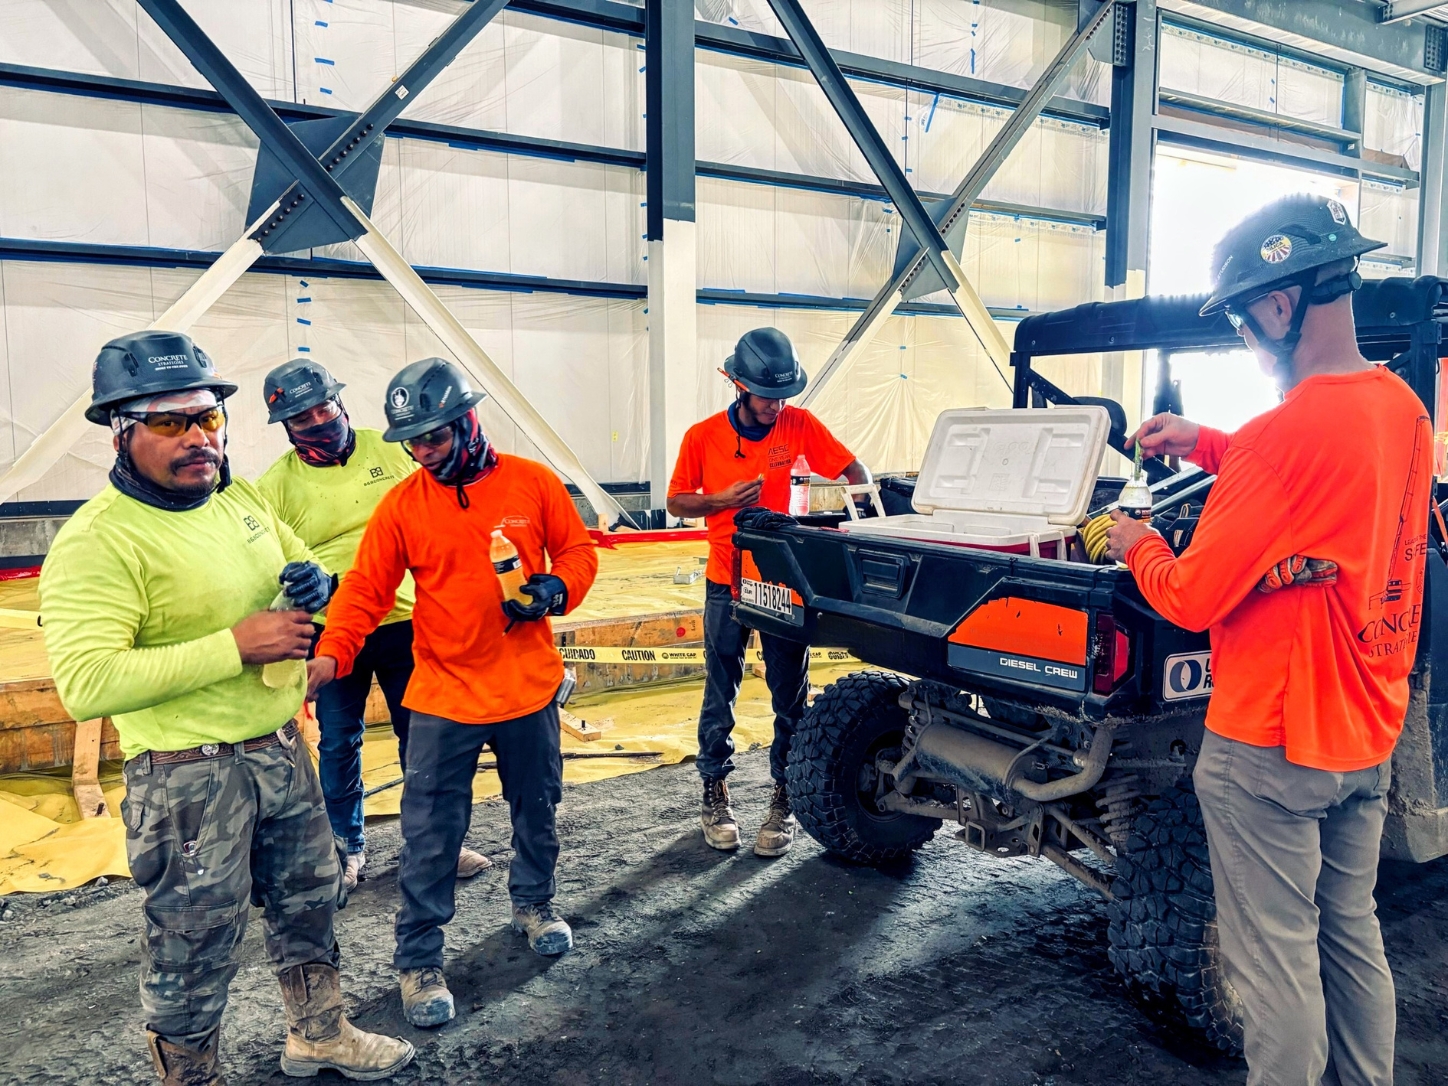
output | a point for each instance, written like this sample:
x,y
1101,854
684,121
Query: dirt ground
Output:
x,y
694,967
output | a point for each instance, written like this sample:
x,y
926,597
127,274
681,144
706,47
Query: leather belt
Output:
x,y
285,735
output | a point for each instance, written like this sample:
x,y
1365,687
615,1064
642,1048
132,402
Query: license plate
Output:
x,y
766,597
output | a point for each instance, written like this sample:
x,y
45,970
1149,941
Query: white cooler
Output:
x,y
1003,479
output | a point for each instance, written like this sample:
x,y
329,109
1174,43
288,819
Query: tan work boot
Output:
x,y
426,1002
319,1037
352,873
720,829
471,863
548,933
181,1066
776,836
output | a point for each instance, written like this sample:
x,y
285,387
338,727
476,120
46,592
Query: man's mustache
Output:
x,y
200,456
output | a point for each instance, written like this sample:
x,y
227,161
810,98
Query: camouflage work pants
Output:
x,y
208,839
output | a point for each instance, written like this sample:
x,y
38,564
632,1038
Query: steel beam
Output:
x,y
1128,176
914,273
748,43
1433,191
1235,141
1395,11
1345,31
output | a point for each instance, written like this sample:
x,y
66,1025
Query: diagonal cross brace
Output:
x,y
914,274
62,435
842,97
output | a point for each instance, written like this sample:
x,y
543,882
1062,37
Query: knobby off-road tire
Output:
x,y
1163,931
839,737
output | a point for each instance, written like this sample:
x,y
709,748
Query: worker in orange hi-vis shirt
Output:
x,y
738,458
487,671
1307,566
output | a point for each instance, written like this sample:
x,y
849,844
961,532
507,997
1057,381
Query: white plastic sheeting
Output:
x,y
1389,212
774,117
1229,71
581,361
1003,41
108,171
1393,124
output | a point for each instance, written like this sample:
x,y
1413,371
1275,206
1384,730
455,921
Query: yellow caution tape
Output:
x,y
19,620
617,654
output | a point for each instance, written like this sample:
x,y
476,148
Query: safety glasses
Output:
x,y
176,423
431,440
319,415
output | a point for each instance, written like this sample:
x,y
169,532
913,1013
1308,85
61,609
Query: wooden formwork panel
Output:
x,y
37,733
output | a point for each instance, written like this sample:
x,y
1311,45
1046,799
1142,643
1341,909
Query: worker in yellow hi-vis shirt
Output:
x,y
157,597
325,489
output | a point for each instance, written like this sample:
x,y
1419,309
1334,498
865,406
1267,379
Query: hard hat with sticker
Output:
x,y
1277,248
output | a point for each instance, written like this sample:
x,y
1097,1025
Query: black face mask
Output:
x,y
753,433
326,444
129,481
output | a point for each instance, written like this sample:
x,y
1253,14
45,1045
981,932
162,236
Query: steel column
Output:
x,y
1128,178
672,255
1433,189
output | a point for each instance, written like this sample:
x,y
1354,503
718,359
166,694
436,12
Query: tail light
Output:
x,y
1110,652
736,573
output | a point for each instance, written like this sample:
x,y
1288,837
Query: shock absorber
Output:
x,y
1117,804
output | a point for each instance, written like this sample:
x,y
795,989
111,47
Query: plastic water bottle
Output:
x,y
1135,499
799,487
509,567
280,674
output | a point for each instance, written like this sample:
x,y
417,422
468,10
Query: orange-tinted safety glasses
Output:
x,y
176,423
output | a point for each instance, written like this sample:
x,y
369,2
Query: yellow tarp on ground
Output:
x,y
45,846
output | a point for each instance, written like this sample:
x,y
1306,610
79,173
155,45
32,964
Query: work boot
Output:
x,y
181,1066
471,863
548,933
720,829
320,1038
777,834
352,873
425,999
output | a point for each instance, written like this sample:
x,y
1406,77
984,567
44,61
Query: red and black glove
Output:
x,y
1298,570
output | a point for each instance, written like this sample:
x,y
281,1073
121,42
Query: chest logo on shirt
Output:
x,y
376,473
779,456
516,520
255,527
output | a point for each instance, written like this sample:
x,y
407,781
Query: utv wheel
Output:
x,y
832,776
1163,932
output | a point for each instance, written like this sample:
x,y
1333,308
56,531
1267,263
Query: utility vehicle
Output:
x,y
1041,703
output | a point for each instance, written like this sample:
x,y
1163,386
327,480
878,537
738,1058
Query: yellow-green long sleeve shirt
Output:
x,y
138,604
328,507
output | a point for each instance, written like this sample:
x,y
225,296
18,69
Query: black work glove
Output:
x,y
307,585
760,518
550,597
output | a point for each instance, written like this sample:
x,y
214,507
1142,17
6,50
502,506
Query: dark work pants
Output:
x,y
437,806
387,654
786,666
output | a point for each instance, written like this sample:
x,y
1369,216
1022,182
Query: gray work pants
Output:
x,y
1295,859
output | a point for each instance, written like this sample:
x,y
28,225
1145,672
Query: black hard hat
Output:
x,y
1277,245
294,386
765,363
148,364
426,395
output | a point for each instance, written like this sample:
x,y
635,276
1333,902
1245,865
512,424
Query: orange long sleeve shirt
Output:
x,y
1342,469
466,668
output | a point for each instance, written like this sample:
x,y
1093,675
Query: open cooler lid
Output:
x,y
1033,461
